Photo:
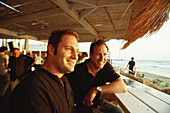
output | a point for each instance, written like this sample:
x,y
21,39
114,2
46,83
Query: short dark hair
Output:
x,y
99,43
85,54
132,58
3,48
56,36
15,49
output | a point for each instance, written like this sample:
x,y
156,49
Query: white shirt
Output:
x,y
38,60
4,59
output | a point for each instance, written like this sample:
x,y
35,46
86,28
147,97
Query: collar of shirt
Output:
x,y
61,81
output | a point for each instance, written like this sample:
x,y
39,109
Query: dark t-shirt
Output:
x,y
131,65
42,92
19,66
82,81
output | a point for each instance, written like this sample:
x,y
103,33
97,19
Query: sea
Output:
x,y
157,67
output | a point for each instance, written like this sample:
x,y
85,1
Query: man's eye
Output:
x,y
68,48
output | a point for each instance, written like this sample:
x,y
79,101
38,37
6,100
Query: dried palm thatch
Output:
x,y
149,16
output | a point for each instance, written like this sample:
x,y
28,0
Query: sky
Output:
x,y
153,47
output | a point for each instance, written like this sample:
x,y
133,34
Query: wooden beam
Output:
x,y
100,3
86,12
42,22
75,15
15,34
8,32
104,3
110,19
33,16
77,6
111,32
28,37
50,29
21,26
85,2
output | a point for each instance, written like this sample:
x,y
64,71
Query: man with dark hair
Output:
x,y
131,65
95,77
19,66
46,90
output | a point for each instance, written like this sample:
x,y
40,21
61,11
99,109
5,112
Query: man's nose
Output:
x,y
74,55
102,57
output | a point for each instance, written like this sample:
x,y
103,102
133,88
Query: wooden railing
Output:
x,y
140,98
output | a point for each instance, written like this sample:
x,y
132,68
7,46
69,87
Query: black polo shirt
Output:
x,y
42,92
82,81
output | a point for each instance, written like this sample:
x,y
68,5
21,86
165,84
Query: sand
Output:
x,y
158,82
153,77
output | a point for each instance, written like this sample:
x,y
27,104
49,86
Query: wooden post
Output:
x,y
3,42
6,42
20,45
26,44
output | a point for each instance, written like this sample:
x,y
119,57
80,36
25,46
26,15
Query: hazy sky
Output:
x,y
153,47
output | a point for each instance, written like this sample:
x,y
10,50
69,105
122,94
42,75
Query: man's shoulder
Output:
x,y
81,66
107,65
3,55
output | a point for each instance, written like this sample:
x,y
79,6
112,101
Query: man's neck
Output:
x,y
51,69
92,69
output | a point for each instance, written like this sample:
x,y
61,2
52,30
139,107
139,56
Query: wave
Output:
x,y
157,67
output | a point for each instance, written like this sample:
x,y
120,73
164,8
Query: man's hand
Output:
x,y
88,99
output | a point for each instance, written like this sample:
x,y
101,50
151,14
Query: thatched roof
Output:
x,y
150,16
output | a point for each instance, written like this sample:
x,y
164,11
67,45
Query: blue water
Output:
x,y
158,67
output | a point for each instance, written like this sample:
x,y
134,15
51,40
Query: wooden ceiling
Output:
x,y
92,19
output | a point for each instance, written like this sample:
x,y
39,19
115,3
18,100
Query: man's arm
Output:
x,y
117,86
127,65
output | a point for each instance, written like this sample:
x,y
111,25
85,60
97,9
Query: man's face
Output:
x,y
16,53
99,57
67,54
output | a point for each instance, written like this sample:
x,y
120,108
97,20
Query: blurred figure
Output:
x,y
38,60
29,54
19,65
131,65
4,76
45,56
83,57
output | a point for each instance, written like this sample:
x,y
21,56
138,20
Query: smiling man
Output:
x,y
91,78
46,90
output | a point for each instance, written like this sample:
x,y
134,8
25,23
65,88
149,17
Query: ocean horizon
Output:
x,y
157,67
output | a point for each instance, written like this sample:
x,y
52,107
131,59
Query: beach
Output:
x,y
147,73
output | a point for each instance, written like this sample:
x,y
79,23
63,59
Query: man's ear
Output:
x,y
50,49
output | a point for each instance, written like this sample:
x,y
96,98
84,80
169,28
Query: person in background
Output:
x,y
38,60
46,90
4,76
83,57
19,65
45,56
95,77
29,54
4,80
131,65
